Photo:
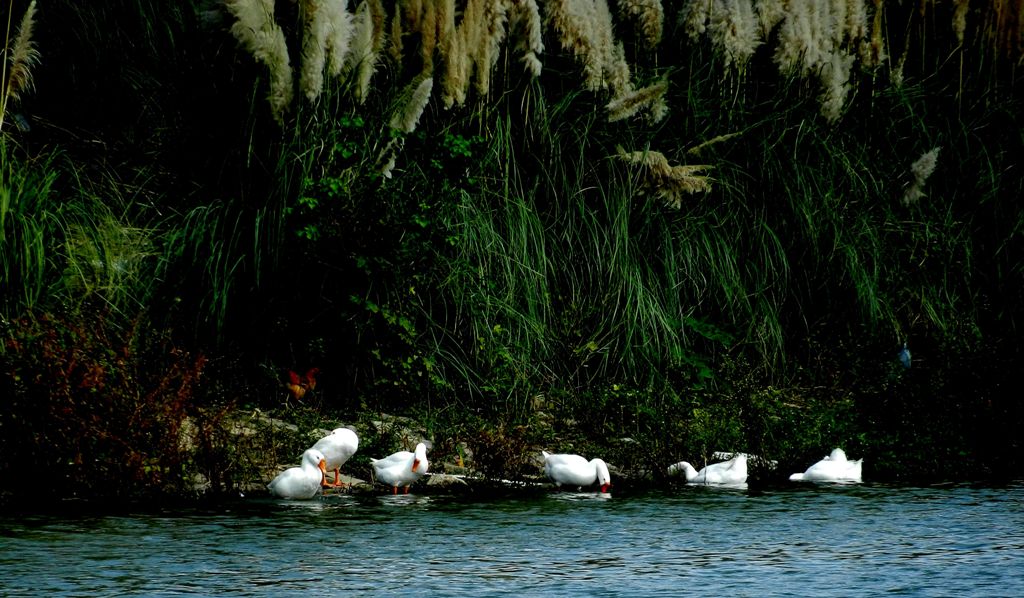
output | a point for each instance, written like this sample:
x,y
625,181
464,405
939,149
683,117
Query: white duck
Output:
x,y
402,468
574,470
833,468
727,473
301,482
337,447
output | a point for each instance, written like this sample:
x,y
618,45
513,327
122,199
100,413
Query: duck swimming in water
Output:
x,y
833,468
727,473
302,482
574,470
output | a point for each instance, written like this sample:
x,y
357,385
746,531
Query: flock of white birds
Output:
x,y
404,468
834,467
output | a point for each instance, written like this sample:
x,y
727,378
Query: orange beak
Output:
x,y
323,466
415,464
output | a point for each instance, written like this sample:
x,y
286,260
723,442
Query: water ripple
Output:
x,y
796,541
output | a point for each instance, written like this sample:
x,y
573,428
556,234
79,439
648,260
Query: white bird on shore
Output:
x,y
401,468
301,482
727,473
574,470
337,447
833,468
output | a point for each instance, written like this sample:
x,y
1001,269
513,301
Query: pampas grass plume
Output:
x,y
769,14
23,56
649,17
920,170
455,81
525,29
325,42
316,28
835,79
579,25
339,35
379,17
389,156
256,31
668,182
628,104
492,35
406,119
428,36
736,30
362,55
924,166
445,22
873,49
395,37
960,8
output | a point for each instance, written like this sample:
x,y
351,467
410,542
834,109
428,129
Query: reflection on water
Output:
x,y
805,540
579,496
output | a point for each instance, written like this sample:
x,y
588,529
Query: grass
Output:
x,y
26,218
512,266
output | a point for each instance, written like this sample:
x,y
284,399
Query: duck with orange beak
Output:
x,y
401,469
302,482
337,447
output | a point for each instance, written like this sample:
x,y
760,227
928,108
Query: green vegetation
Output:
x,y
491,218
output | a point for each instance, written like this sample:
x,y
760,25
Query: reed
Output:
x,y
363,57
666,181
18,58
525,28
649,17
920,170
316,28
258,32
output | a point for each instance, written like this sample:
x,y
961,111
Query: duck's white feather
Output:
x,y
833,468
574,470
403,468
727,473
301,482
338,447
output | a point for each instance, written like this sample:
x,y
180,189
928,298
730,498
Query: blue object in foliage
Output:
x,y
904,356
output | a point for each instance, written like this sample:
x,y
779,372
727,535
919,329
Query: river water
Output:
x,y
797,540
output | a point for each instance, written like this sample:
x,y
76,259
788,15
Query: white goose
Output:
x,y
727,473
833,468
574,470
402,468
337,447
301,482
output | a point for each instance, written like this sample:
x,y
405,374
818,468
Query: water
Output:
x,y
797,540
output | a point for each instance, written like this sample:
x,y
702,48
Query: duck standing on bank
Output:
x,y
574,470
337,448
402,468
302,482
833,468
727,473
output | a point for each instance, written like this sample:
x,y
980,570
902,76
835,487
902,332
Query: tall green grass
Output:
x,y
566,275
28,216
66,242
